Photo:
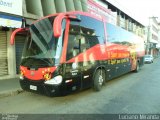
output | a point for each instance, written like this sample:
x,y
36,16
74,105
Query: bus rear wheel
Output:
x,y
99,79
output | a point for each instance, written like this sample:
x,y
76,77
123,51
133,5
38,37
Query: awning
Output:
x,y
10,21
153,41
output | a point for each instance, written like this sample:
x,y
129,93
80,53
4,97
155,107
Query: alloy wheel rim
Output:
x,y
100,80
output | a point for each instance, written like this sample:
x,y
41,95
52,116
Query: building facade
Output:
x,y
10,18
158,45
153,37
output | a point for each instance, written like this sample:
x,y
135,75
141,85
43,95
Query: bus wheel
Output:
x,y
137,67
99,79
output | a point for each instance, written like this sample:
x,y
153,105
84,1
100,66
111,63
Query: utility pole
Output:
x,y
148,39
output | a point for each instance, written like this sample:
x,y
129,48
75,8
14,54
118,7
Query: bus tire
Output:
x,y
99,79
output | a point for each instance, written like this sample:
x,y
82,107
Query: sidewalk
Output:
x,y
9,87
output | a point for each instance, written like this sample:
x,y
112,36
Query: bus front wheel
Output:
x,y
99,79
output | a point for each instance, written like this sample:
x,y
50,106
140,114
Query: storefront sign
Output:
x,y
99,10
10,21
11,6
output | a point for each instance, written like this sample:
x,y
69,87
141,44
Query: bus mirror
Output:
x,y
57,25
14,34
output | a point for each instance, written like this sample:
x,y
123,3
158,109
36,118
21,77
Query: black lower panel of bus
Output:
x,y
40,87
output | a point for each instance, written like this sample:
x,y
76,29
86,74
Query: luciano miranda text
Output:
x,y
139,117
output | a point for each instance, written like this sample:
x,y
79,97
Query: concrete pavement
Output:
x,y
132,93
9,87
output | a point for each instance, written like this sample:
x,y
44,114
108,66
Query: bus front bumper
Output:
x,y
41,87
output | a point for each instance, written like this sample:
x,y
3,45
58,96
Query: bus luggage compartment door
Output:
x,y
73,77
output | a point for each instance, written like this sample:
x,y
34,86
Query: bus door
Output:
x,y
86,64
77,57
73,67
86,38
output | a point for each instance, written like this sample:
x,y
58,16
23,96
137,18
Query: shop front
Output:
x,y
10,18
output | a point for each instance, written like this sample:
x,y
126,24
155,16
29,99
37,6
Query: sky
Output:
x,y
142,9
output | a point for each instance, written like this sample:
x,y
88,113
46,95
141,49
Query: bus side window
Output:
x,y
83,44
76,46
73,48
93,29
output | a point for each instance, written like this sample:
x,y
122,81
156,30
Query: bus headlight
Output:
x,y
54,81
21,77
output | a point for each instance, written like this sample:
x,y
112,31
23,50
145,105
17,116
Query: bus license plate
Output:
x,y
32,87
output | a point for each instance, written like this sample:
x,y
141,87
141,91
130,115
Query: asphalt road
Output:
x,y
131,93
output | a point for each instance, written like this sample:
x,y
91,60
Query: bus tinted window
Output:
x,y
118,35
73,48
83,35
96,29
80,39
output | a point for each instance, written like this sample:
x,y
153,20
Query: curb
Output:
x,y
10,93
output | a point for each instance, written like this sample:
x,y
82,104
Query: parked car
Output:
x,y
148,59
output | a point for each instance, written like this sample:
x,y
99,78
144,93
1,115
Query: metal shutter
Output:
x,y
19,42
3,54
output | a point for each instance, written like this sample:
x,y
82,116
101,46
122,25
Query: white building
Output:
x,y
158,45
153,37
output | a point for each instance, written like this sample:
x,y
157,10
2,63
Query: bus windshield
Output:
x,y
41,48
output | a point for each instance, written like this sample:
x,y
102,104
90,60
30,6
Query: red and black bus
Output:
x,y
66,52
